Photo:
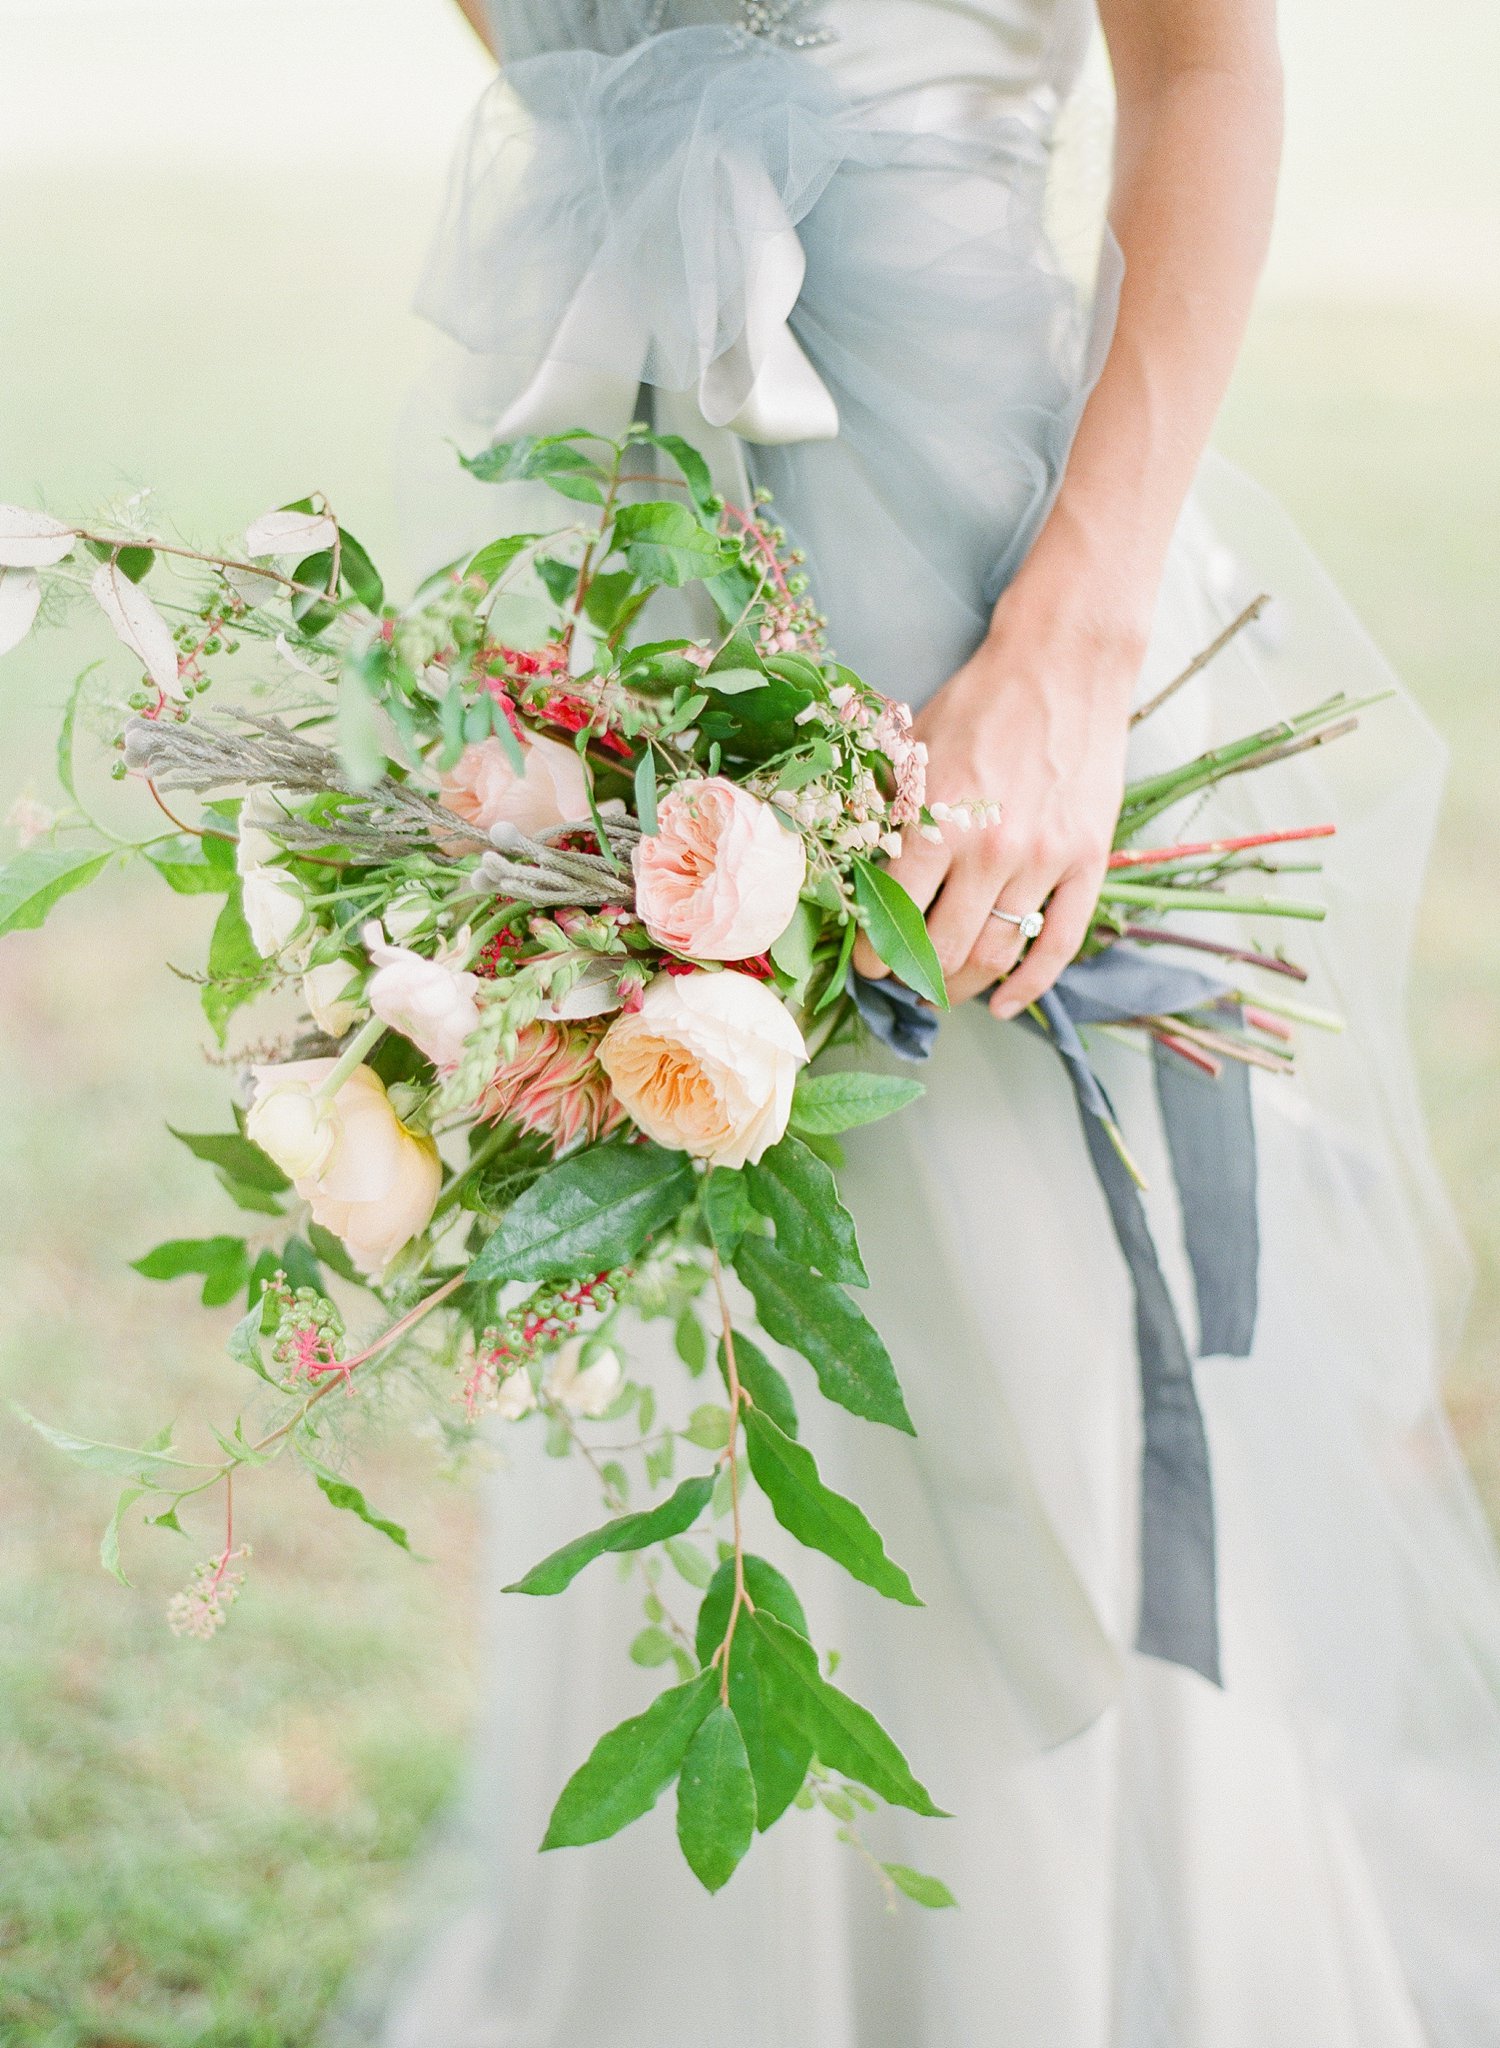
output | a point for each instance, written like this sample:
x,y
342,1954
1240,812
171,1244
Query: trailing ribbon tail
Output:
x,y
1211,1143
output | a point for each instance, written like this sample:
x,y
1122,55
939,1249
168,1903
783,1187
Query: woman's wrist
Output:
x,y
1083,590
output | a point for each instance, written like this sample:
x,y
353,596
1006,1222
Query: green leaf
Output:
x,y
359,572
733,682
150,1467
340,1493
496,557
694,469
332,1254
896,929
924,1891
645,791
243,1345
65,774
816,1318
626,1532
690,1343
652,1648
825,1104
708,1427
797,1191
761,1381
109,1543
845,1736
222,1261
716,1801
33,881
689,1562
134,562
240,1157
590,1212
838,979
194,867
727,1211
539,458
787,1474
361,744
664,543
778,1750
236,972
631,1766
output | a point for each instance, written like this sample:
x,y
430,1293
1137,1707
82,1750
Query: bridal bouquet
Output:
x,y
544,924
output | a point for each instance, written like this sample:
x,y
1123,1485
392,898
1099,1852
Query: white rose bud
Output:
x,y
515,1396
427,1001
274,910
331,993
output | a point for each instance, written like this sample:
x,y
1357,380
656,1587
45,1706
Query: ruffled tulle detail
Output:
x,y
711,216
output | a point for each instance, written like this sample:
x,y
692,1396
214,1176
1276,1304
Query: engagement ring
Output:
x,y
1029,926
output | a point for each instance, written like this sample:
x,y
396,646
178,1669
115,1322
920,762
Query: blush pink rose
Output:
x,y
720,877
484,789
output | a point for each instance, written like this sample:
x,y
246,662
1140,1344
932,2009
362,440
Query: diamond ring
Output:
x,y
1029,926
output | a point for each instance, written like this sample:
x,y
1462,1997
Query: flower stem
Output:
x,y
372,1029
731,1455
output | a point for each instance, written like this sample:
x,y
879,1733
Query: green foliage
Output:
x,y
152,1466
250,1179
898,932
236,972
629,1768
627,1532
194,866
825,1104
222,1261
844,1735
761,1381
787,1474
816,1318
541,458
716,1800
727,1211
778,1751
921,1890
590,1212
341,1493
798,1192
31,882
664,543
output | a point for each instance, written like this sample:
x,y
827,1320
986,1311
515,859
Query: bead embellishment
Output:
x,y
784,22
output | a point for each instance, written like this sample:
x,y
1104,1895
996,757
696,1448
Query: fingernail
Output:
x,y
1005,1010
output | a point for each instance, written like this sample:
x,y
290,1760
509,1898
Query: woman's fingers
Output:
x,y
1067,923
998,943
919,869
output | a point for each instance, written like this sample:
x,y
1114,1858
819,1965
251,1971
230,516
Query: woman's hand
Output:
x,y
1036,720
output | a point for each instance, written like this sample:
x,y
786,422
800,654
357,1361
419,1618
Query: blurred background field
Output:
x,y
211,218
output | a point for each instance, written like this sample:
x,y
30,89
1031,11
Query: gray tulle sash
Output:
x,y
872,310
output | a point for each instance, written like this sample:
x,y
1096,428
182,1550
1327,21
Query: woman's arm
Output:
x,y
477,15
1039,716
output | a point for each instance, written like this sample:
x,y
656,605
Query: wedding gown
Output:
x,y
817,236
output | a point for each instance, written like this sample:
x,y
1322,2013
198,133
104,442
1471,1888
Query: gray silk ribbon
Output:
x,y
1210,1136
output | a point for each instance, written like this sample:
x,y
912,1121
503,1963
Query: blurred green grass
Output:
x,y
197,1842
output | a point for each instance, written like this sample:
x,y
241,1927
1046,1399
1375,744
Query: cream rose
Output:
x,y
706,1065
428,1001
364,1175
720,877
484,789
331,993
273,909
583,1389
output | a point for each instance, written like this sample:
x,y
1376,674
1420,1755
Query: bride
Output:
x,y
814,238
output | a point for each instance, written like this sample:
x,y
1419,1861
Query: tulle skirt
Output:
x,y
1308,1857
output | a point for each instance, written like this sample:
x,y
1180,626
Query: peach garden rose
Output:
x,y
707,1065
720,877
484,789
